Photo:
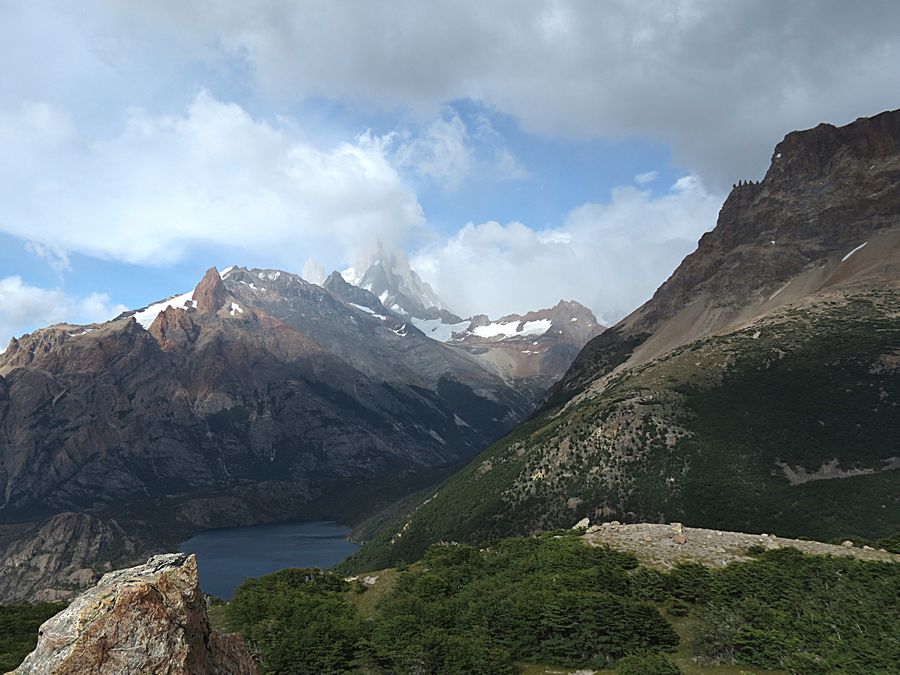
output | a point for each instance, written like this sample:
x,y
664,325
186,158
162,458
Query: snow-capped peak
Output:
x,y
389,277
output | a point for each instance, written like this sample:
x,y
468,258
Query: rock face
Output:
x,y
828,190
210,293
52,560
146,619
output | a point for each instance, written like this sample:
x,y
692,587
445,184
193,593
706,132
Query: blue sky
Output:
x,y
518,153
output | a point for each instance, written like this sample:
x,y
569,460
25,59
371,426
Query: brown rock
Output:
x,y
174,329
679,539
146,619
209,295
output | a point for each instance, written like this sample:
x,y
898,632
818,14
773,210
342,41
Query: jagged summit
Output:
x,y
389,277
209,295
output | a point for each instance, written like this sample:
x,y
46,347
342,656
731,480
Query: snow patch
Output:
x,y
854,251
235,309
224,273
437,329
147,316
367,310
513,329
771,297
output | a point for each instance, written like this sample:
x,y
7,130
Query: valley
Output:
x,y
430,339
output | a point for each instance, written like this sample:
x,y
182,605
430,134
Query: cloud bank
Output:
x,y
718,82
611,257
212,175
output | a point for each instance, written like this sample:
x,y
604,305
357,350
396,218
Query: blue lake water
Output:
x,y
228,556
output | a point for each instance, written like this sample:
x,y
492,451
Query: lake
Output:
x,y
228,556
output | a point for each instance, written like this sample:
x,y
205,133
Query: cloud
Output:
x,y
717,82
448,151
24,307
212,175
645,178
440,153
609,256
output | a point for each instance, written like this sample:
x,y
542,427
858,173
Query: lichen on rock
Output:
x,y
146,619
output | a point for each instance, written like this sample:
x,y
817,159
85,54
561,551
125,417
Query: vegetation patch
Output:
x,y
19,630
554,601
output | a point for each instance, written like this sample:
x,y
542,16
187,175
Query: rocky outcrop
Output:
x,y
665,546
174,329
146,619
209,296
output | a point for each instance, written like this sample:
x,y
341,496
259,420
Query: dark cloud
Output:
x,y
718,81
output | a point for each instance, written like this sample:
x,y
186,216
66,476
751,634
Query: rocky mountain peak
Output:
x,y
389,277
209,296
811,154
173,329
145,619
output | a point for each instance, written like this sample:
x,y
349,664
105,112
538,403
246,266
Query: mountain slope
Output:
x,y
530,351
233,386
757,390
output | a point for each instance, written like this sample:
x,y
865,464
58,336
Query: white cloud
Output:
x,y
24,307
441,152
610,257
212,175
718,82
645,178
448,151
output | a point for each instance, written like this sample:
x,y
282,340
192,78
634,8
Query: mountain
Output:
x,y
244,400
531,351
757,390
398,287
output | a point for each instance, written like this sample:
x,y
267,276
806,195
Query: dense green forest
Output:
x,y
554,600
19,630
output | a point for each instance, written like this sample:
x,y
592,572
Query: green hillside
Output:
x,y
552,603
707,435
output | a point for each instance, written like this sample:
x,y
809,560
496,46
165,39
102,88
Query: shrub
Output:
x,y
647,664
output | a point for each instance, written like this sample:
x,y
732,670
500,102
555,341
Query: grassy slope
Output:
x,y
696,436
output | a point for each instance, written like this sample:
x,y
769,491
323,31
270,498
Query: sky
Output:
x,y
518,152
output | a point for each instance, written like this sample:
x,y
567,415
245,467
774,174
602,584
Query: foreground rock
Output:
x,y
145,619
667,545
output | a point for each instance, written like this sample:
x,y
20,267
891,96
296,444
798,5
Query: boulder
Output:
x,y
145,619
582,524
